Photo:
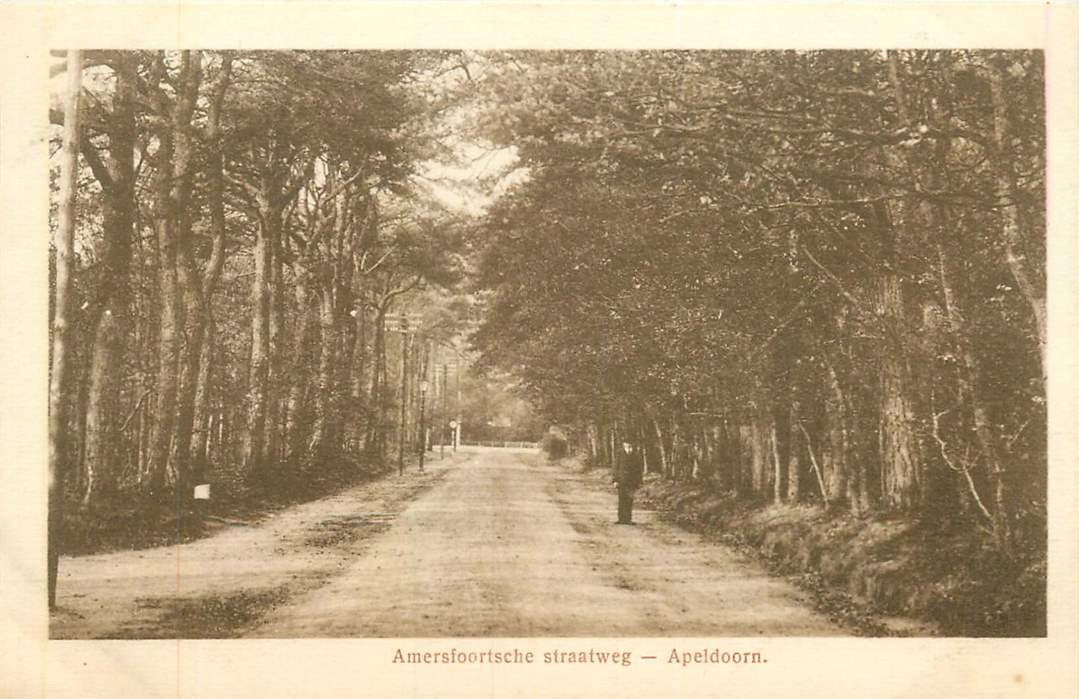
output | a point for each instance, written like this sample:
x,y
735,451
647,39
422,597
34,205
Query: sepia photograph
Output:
x,y
539,349
547,343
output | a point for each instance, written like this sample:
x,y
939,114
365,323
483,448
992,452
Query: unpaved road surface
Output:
x,y
215,587
493,544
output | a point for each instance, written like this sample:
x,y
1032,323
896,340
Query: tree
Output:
x,y
206,171
59,367
796,195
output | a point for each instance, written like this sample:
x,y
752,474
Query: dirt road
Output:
x,y
496,544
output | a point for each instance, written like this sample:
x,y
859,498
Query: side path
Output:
x,y
216,586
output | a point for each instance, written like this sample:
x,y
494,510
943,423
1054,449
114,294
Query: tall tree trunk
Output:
x,y
762,450
325,401
971,396
275,382
375,442
664,463
188,273
297,389
358,373
593,448
780,448
200,438
154,473
191,322
602,443
344,324
215,176
195,323
846,436
101,453
836,458
900,451
641,435
794,454
402,420
60,367
1011,224
254,445
345,415
359,376
423,382
733,455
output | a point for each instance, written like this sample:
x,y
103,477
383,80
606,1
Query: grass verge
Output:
x,y
863,569
129,522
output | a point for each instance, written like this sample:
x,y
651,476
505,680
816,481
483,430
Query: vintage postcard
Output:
x,y
539,349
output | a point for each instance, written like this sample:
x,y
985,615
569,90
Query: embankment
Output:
x,y
866,569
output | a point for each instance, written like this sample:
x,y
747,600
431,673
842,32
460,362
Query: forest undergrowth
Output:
x,y
128,523
863,568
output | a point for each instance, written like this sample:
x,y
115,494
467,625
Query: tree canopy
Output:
x,y
759,263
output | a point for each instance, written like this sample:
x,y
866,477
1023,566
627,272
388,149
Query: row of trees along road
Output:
x,y
799,276
245,227
795,276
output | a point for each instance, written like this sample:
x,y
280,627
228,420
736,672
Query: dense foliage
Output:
x,y
801,275
249,235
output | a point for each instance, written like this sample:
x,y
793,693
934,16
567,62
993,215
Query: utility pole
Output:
x,y
404,394
442,422
423,402
457,427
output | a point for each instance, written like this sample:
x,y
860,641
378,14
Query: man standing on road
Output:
x,y
628,472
